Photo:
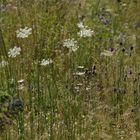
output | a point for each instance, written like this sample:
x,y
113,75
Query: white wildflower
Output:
x,y
74,49
80,25
88,88
46,62
21,84
3,63
106,53
80,67
24,32
14,52
79,73
70,44
21,81
85,32
77,88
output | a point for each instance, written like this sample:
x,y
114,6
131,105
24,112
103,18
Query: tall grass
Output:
x,y
92,93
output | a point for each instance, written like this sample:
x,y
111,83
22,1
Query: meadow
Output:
x,y
69,70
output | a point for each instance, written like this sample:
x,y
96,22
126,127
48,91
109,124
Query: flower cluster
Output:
x,y
45,62
21,84
70,44
14,52
3,63
23,32
84,32
80,25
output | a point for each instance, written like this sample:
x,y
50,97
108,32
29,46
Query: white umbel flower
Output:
x,y
106,53
80,25
14,52
75,48
79,73
24,32
21,84
45,62
21,81
85,32
80,67
70,44
3,63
